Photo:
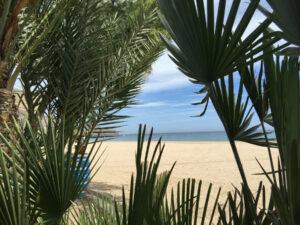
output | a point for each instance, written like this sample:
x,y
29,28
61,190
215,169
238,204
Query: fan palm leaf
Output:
x,y
282,77
100,210
236,117
256,89
185,206
206,49
54,177
14,207
235,112
147,192
255,86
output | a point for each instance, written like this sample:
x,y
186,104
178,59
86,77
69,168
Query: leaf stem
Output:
x,y
228,133
269,150
238,161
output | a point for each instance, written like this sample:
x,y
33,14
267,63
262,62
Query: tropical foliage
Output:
x,y
203,48
83,72
21,32
147,198
92,64
45,178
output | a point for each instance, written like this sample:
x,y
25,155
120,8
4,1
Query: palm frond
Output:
x,y
147,192
14,207
147,203
92,65
238,211
255,87
100,210
287,18
235,112
282,77
58,173
185,208
236,117
206,49
32,31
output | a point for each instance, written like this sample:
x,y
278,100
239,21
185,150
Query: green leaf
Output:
x,y
203,49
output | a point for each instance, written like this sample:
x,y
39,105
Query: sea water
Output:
x,y
187,136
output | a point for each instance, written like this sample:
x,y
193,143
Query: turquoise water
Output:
x,y
191,136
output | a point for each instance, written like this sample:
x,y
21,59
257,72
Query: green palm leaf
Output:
x,y
286,17
235,113
100,210
14,207
206,49
240,210
282,76
33,29
236,117
92,65
147,203
54,177
184,207
148,190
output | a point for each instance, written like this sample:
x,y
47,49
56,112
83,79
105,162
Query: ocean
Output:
x,y
189,136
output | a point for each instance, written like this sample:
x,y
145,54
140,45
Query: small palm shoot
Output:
x,y
237,211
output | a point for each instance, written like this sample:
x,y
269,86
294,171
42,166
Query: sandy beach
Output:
x,y
211,162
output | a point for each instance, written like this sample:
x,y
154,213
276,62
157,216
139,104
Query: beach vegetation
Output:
x,y
148,202
45,177
85,61
89,66
209,54
21,32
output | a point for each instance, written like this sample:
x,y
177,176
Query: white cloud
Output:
x,y
164,66
180,104
165,76
151,104
166,83
158,104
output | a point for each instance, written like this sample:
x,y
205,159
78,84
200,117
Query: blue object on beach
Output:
x,y
83,172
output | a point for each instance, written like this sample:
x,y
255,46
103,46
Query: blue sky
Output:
x,y
165,103
167,97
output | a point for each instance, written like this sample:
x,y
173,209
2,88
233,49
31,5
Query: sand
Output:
x,y
211,162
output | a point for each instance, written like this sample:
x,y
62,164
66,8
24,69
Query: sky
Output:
x,y
165,102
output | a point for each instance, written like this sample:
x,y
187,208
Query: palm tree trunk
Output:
x,y
8,109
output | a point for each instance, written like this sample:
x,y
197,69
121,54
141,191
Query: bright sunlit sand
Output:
x,y
211,162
